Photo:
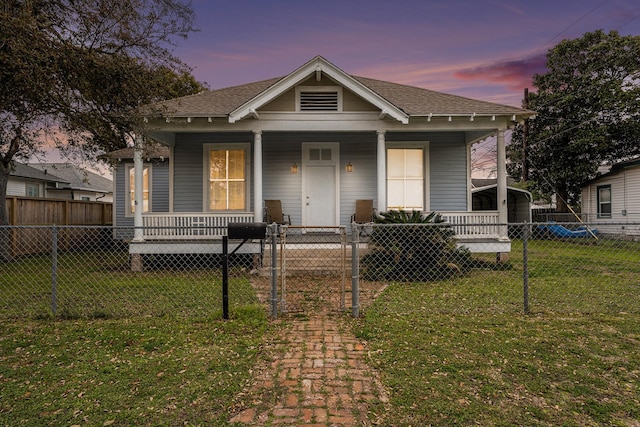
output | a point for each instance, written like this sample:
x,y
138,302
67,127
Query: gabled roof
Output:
x,y
25,171
76,177
393,99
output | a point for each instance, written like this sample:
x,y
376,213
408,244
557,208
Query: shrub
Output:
x,y
421,249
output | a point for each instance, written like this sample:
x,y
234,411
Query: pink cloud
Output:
x,y
514,74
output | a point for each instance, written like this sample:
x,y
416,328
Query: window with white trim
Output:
x,y
33,190
319,98
227,176
146,190
405,178
604,201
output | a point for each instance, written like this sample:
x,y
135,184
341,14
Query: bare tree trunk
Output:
x,y
5,232
4,180
561,198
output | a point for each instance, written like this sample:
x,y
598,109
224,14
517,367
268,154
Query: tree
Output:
x,y
588,111
75,71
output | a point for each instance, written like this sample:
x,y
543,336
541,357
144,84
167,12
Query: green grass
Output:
x,y
101,285
462,352
150,349
121,372
124,348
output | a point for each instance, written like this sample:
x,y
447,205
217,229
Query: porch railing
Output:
x,y
203,225
471,225
182,225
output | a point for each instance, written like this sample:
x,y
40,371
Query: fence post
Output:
x,y
355,271
225,277
525,266
274,270
54,269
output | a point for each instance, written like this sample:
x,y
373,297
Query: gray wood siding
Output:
x,y
448,172
361,150
119,202
279,152
447,167
188,167
159,194
282,149
160,187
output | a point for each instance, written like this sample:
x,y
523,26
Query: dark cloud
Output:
x,y
514,74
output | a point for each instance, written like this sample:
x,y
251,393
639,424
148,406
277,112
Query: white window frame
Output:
x,y
29,186
302,89
127,187
206,148
599,188
424,146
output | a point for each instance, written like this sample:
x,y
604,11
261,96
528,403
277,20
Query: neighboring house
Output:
x,y
81,184
26,181
614,197
485,198
155,184
317,139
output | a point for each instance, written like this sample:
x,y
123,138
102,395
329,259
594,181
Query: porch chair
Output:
x,y
364,212
273,213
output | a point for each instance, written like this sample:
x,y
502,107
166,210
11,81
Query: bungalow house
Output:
x,y
317,139
612,200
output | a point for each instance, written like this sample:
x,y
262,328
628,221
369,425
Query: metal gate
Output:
x,y
312,267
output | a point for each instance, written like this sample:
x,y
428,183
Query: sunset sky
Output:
x,y
484,49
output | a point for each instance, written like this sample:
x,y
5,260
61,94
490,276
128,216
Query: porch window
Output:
x,y
405,178
227,179
146,190
604,201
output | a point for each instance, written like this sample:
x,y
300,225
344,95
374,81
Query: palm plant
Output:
x,y
412,246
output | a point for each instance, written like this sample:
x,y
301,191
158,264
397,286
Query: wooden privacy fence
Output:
x,y
30,212
37,211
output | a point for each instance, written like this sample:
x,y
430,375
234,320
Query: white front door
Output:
x,y
320,176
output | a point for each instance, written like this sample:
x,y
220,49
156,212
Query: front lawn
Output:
x,y
124,372
461,352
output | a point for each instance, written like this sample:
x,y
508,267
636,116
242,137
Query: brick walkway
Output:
x,y
317,376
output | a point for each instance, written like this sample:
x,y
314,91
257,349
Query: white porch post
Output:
x,y
138,189
501,163
382,172
257,176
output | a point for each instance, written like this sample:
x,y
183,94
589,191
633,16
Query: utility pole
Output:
x,y
525,134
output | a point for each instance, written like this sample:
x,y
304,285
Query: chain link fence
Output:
x,y
85,272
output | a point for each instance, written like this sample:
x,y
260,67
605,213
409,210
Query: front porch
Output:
x,y
201,233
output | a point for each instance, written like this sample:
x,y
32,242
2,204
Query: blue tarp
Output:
x,y
561,231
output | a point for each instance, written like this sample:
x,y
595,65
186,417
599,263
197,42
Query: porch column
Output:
x,y
138,188
257,176
501,163
382,172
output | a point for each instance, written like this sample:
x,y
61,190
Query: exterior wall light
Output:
x,y
349,167
294,168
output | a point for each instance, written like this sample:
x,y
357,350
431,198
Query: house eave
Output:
x,y
164,132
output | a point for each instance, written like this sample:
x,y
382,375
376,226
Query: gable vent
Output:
x,y
319,101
